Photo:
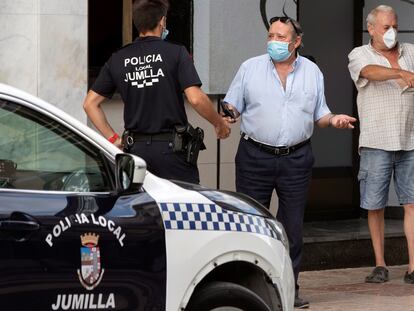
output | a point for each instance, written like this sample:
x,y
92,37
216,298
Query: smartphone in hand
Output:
x,y
227,112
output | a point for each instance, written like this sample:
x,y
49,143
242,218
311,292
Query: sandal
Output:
x,y
409,277
378,275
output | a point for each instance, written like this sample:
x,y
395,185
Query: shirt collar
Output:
x,y
400,48
294,64
147,39
297,61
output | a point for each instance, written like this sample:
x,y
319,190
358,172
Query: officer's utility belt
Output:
x,y
150,137
184,138
280,151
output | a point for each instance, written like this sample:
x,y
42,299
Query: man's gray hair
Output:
x,y
298,32
372,16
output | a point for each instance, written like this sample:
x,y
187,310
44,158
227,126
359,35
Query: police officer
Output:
x,y
150,74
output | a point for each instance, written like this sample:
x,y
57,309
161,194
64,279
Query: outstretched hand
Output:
x,y
342,121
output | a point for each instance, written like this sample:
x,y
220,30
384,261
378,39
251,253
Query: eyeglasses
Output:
x,y
284,20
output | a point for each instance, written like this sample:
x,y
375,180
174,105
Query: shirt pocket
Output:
x,y
308,102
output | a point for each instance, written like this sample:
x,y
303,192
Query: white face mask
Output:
x,y
390,38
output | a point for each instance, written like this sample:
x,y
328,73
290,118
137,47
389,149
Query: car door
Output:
x,y
68,240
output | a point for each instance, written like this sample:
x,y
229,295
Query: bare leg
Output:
x,y
409,234
376,228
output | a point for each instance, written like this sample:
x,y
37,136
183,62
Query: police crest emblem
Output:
x,y
90,274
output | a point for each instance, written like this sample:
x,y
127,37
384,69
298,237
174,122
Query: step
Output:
x,y
347,244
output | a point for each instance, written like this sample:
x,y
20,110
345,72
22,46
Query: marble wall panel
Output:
x,y
43,50
17,6
66,7
63,62
18,48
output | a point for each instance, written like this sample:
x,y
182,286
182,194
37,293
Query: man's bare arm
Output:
x,y
381,73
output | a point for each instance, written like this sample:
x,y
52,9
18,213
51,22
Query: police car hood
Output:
x,y
230,200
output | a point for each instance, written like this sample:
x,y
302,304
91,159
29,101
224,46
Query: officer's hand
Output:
x,y
118,143
223,129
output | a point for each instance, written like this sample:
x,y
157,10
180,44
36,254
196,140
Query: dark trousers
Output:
x,y
258,173
163,162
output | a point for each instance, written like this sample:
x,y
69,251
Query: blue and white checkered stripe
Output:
x,y
191,216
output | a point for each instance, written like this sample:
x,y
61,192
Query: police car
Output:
x,y
84,226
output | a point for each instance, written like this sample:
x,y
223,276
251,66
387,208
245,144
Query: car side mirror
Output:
x,y
130,172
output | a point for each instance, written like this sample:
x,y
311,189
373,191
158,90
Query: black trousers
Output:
x,y
163,162
258,173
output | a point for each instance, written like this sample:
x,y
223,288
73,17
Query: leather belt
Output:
x,y
151,137
280,151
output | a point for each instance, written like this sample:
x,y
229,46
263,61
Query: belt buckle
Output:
x,y
283,151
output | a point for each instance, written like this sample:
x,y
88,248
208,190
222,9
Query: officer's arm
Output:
x,y
92,106
204,107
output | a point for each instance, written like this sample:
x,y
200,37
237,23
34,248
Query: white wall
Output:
x,y
43,50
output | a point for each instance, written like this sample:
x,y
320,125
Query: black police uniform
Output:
x,y
150,74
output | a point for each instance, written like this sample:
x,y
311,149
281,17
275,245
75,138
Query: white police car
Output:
x,y
85,227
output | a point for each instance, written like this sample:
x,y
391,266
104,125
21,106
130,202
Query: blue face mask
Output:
x,y
164,34
278,50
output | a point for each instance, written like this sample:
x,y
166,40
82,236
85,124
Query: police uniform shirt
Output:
x,y
150,74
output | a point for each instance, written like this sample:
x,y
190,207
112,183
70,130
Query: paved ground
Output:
x,y
345,290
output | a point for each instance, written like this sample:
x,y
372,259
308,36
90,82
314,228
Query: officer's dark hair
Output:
x,y
148,13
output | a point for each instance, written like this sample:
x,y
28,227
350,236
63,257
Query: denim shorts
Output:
x,y
376,168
